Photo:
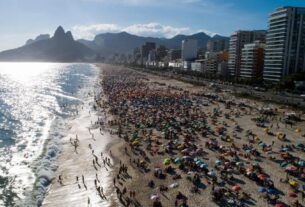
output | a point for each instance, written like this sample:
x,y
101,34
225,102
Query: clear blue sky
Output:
x,y
24,19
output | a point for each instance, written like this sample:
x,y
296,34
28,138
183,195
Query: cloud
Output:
x,y
150,29
146,2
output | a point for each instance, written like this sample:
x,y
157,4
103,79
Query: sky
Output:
x,y
21,20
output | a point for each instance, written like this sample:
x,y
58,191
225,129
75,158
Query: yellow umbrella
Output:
x,y
298,130
293,183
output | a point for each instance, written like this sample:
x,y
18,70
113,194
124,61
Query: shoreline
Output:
x,y
71,164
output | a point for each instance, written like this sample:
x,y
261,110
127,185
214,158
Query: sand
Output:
x,y
71,164
140,180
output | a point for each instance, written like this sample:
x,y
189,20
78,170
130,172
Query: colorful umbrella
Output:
x,y
236,188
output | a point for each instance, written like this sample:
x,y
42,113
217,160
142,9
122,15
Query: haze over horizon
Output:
x,y
156,18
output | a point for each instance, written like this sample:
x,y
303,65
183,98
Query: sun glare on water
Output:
x,y
24,73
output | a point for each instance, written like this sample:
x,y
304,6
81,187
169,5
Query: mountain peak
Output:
x,y
60,32
69,35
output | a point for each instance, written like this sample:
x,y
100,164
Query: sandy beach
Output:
x,y
71,164
175,144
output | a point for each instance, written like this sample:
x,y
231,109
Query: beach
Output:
x,y
175,144
92,144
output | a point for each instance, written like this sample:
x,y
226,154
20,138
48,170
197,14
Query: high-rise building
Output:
x,y
285,45
217,45
174,54
161,52
152,55
145,49
237,41
252,60
189,50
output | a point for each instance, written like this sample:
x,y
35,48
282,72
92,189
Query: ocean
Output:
x,y
37,101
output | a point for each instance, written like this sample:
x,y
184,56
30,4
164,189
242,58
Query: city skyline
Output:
x,y
86,18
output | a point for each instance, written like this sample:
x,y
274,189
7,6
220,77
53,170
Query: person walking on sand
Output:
x,y
60,180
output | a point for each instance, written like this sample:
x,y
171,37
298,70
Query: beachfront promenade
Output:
x,y
176,144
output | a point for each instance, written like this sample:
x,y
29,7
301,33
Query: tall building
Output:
x,y
161,52
152,56
237,41
217,45
189,50
174,54
252,60
285,45
145,49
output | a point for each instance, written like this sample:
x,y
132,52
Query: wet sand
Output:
x,y
72,164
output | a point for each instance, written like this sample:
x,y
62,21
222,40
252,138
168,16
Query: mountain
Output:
x,y
38,38
109,43
60,48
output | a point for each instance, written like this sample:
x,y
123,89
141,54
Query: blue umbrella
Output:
x,y
198,162
203,166
271,191
262,190
177,160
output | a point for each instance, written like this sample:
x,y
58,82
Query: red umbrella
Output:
x,y
280,205
236,188
292,195
262,177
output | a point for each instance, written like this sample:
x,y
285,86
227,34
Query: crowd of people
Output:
x,y
192,146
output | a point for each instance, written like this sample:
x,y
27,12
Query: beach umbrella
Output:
x,y
280,205
135,143
262,190
166,161
177,160
198,162
271,191
291,168
174,185
236,188
154,197
212,173
292,195
299,145
298,130
284,164
217,162
293,183
202,166
301,163
262,177
262,144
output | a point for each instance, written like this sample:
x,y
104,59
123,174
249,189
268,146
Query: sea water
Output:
x,y
37,100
